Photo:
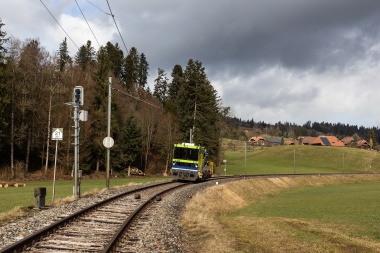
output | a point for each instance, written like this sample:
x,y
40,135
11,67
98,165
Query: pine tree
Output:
x,y
178,81
143,68
85,56
132,141
161,86
198,108
115,58
131,66
63,56
98,111
371,138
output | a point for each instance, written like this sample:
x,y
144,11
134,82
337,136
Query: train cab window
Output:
x,y
186,154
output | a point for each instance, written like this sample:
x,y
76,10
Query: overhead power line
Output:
x,y
125,93
113,17
99,8
87,23
59,24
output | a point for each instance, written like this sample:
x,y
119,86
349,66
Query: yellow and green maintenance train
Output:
x,y
190,163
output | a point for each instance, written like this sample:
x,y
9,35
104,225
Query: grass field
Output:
x,y
282,159
12,197
299,159
314,214
347,205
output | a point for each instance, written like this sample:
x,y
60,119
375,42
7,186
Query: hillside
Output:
x,y
298,159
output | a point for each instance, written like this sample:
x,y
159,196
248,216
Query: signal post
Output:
x,y
78,98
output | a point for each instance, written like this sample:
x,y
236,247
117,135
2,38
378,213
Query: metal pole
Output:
x,y
55,168
108,132
343,162
225,168
245,158
76,149
294,159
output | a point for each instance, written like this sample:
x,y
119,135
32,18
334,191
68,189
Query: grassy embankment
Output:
x,y
318,214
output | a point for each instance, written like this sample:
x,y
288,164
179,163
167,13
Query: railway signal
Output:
x,y
78,95
78,98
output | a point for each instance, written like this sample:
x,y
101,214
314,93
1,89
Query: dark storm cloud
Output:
x,y
248,34
268,59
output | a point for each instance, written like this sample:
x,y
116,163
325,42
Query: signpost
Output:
x,y
57,135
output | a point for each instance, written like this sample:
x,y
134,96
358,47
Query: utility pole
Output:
x,y
245,159
109,132
294,159
108,142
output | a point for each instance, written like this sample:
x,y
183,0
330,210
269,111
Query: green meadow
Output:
x,y
252,160
12,197
347,205
299,159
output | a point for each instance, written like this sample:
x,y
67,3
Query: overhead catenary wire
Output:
x,y
59,24
125,93
87,23
113,17
99,8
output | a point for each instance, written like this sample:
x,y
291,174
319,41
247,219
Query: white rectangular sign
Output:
x,y
57,134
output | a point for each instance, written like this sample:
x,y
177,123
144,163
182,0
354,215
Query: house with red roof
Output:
x,y
327,141
362,144
348,141
257,140
306,140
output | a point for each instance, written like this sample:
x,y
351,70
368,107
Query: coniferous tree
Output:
x,y
131,65
115,58
161,86
371,138
85,56
198,108
98,110
178,81
63,56
143,68
132,140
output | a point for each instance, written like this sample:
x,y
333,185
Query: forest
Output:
x,y
292,130
36,89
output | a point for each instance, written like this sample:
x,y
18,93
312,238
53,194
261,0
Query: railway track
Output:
x,y
99,228
152,231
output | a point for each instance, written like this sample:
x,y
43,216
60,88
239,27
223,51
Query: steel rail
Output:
x,y
112,245
28,241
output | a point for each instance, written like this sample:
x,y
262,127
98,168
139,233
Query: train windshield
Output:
x,y
186,154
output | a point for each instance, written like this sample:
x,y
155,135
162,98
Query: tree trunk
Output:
x,y
167,163
12,133
97,164
48,136
28,150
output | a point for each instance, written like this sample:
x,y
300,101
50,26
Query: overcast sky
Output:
x,y
269,60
